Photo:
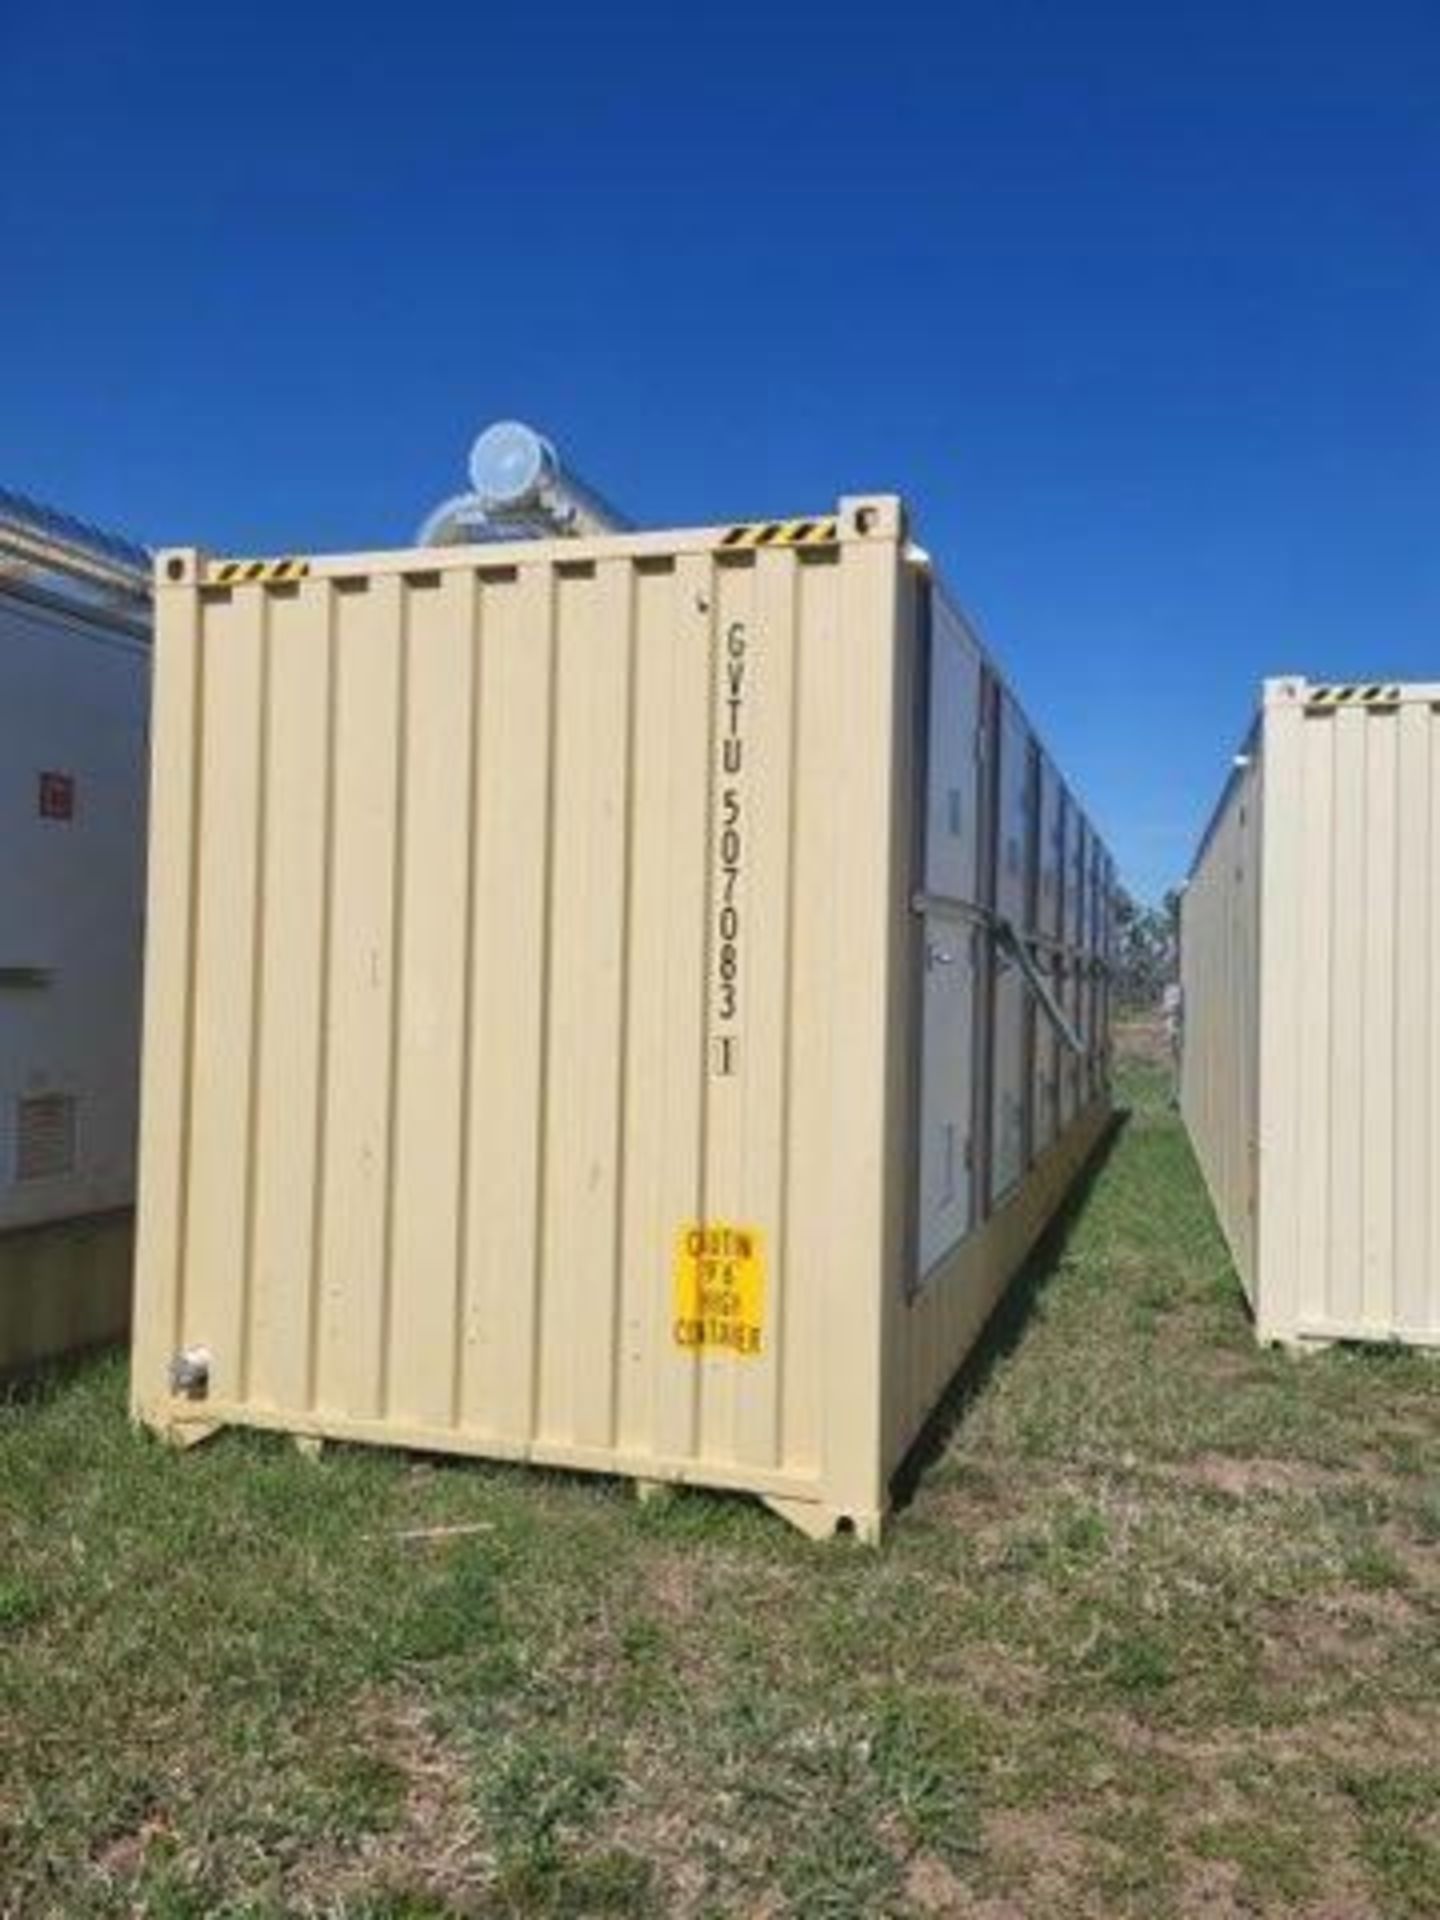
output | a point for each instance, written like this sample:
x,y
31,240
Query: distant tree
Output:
x,y
1146,951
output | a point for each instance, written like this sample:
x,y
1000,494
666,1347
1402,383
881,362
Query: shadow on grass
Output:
x,y
40,1381
1005,1328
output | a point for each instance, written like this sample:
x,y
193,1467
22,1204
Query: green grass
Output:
x,y
1158,1632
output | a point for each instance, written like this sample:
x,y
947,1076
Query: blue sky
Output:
x,y
1139,306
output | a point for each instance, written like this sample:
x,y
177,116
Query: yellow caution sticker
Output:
x,y
234,573
819,530
720,1289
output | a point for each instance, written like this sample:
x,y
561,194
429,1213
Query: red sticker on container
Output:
x,y
57,796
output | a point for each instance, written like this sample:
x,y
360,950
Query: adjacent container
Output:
x,y
1311,1001
74,693
595,989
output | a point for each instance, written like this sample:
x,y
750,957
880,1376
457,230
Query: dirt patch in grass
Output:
x,y
1209,1890
1244,1479
433,1846
931,1886
673,1588
1034,1849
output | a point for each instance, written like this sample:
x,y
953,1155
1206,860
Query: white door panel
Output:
x,y
946,1094
952,811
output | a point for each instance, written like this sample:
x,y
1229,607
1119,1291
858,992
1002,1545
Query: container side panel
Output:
x,y
858,1245
665,1021
227,910
1379,919
291,997
510,892
1282,1037
352,1360
1245,952
430,990
1361,1107
1220,960
1417,890
1419,1307
586,1052
1350,992
818,910
738,664
1313,988
769,782
747,913
165,1100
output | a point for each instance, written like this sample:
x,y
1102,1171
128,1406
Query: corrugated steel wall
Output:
x,y
1350,1074
513,912
1341,1058
1220,986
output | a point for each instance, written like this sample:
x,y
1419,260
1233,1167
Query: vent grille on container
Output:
x,y
44,1136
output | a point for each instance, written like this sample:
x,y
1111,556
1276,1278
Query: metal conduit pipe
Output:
x,y
41,540
520,492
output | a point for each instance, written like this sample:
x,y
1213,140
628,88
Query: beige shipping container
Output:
x,y
1310,1077
574,1007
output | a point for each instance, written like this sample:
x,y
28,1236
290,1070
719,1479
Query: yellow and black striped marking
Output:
x,y
815,532
1356,696
234,573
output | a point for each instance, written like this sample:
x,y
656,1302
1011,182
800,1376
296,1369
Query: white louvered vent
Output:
x,y
44,1136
